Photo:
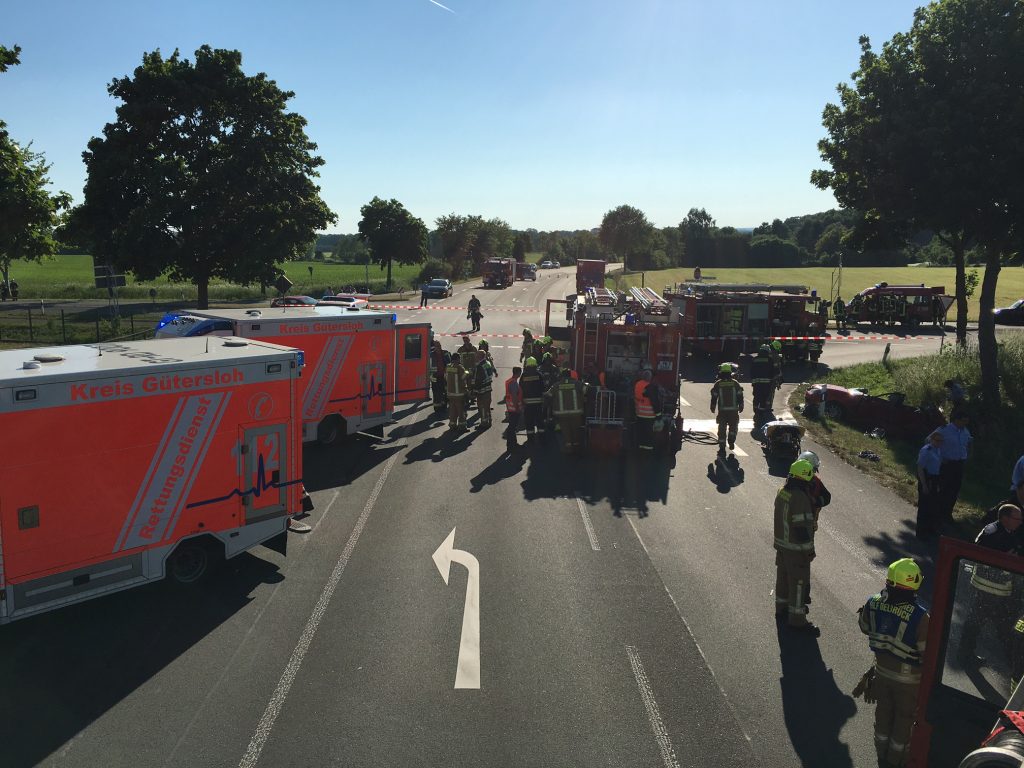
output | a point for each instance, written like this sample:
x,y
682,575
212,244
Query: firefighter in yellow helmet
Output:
x,y
727,396
532,387
897,627
567,398
794,546
456,384
776,356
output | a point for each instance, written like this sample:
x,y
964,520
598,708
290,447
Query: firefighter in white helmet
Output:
x,y
727,396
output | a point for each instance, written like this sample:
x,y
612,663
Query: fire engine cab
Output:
x,y
360,363
909,305
725,320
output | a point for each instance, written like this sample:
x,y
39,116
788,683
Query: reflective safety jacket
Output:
x,y
794,518
897,631
839,309
641,402
532,386
549,374
986,578
513,395
455,380
776,358
727,394
482,374
761,370
567,398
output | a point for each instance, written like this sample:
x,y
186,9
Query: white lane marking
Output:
x,y
693,637
684,403
711,426
291,670
739,451
876,571
467,674
327,509
594,545
668,755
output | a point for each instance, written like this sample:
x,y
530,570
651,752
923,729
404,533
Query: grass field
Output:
x,y
1009,289
71,277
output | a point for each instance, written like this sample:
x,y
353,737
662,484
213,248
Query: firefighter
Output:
x,y
762,378
440,358
513,405
1017,657
897,627
993,587
567,406
527,349
776,356
643,410
549,376
483,372
455,384
794,547
532,387
473,312
820,495
486,349
727,396
467,348
839,312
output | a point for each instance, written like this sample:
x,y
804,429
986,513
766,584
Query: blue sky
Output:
x,y
545,114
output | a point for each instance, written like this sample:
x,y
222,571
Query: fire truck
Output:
x,y
127,462
589,274
967,714
908,305
499,273
360,363
725,320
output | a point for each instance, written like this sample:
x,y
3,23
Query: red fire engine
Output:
x,y
909,305
498,273
360,363
726,320
129,461
589,274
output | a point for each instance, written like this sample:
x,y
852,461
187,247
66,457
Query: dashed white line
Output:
x,y
291,670
668,754
594,545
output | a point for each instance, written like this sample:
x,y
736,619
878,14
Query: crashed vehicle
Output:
x,y
888,411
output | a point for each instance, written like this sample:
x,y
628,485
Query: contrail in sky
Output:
x,y
442,6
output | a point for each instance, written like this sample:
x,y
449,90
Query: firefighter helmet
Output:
x,y
812,457
904,573
802,469
530,362
764,349
546,339
484,345
545,357
527,332
725,368
777,345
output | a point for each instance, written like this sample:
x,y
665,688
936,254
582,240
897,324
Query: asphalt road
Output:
x,y
625,612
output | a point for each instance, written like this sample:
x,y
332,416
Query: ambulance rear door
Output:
x,y
412,363
264,487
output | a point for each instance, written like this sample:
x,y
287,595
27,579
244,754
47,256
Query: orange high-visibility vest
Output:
x,y
644,409
513,395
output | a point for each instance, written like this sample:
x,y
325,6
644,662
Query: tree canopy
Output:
x,y
928,137
624,231
392,234
204,174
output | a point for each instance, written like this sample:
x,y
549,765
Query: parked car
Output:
x,y
440,288
1011,315
547,264
293,301
888,411
343,300
556,264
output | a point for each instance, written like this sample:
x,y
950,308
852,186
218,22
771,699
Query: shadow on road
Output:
x,y
813,707
332,466
725,473
65,669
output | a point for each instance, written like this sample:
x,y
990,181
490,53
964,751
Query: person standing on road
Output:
x,y
761,379
473,312
929,466
423,294
839,313
455,383
467,348
483,372
532,387
513,406
643,411
527,349
897,628
727,396
956,442
440,360
993,588
794,547
776,356
567,406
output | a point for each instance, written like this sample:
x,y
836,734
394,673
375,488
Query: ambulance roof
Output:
x,y
81,360
284,314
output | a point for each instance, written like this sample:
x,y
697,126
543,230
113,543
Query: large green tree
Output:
x,y
457,235
625,231
28,212
204,174
392,234
928,137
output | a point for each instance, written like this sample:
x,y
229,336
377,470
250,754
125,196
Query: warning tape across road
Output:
x,y
461,309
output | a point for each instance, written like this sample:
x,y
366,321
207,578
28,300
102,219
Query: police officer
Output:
x,y
897,627
483,372
532,387
929,465
839,312
567,407
993,587
794,547
727,396
761,377
776,356
643,410
455,383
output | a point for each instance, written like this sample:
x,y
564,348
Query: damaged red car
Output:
x,y
888,411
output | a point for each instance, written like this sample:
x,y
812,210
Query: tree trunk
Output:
x,y
203,289
957,245
388,289
987,349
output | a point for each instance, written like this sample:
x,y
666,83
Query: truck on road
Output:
x,y
126,462
499,273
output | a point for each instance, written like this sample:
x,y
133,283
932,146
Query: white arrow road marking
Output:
x,y
468,674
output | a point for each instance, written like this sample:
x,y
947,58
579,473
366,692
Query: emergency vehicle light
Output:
x,y
301,358
167,319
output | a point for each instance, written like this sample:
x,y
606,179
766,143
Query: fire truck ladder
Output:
x,y
601,297
650,300
590,337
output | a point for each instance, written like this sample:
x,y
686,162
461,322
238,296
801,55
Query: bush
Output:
x,y
433,268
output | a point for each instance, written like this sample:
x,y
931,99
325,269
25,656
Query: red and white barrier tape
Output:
x,y
461,309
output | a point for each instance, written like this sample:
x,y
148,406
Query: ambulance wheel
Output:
x,y
328,430
191,562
